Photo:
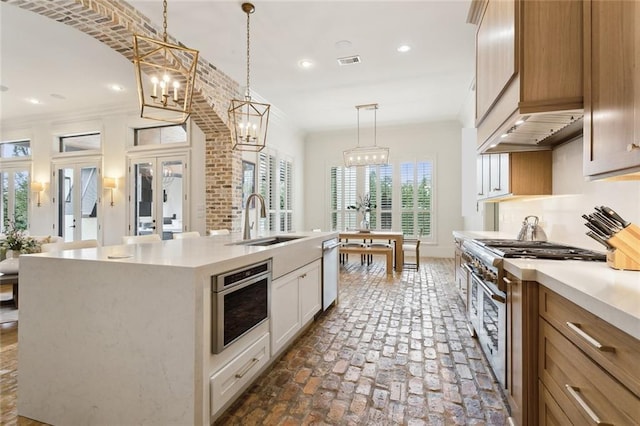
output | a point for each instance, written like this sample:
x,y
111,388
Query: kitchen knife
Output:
x,y
602,226
600,240
605,219
614,216
597,231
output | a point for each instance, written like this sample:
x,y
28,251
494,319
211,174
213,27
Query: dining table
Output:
x,y
397,237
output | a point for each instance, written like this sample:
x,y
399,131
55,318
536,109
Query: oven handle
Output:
x,y
236,287
495,296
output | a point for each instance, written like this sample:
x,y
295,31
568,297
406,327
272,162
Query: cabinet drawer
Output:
x,y
619,353
239,372
550,413
583,391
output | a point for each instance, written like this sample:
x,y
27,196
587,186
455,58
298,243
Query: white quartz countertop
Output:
x,y
608,293
188,252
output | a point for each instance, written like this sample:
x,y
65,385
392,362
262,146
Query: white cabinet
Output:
x,y
514,174
499,171
295,299
233,377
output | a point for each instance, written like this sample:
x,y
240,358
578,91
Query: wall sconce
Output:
x,y
109,183
37,187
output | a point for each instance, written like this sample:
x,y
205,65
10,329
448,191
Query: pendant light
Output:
x,y
366,155
248,120
165,74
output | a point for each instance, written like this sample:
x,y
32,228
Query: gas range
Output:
x,y
538,250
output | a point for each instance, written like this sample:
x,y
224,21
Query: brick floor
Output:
x,y
395,351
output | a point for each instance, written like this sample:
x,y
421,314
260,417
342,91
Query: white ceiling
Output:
x,y
431,82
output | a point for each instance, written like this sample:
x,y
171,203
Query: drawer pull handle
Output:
x,y
507,281
599,346
246,370
573,391
510,421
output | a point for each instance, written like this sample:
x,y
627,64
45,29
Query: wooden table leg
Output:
x,y
390,262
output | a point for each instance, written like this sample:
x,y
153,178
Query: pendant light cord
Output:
x,y
164,21
248,92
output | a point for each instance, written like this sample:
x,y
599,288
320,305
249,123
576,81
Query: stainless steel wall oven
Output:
x,y
239,303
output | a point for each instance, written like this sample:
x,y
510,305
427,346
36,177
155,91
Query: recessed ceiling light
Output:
x,y
116,88
34,101
404,48
305,63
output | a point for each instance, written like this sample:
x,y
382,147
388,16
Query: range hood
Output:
x,y
533,132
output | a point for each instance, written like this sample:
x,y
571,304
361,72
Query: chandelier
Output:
x,y
248,120
366,155
165,74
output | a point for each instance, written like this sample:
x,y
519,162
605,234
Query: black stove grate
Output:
x,y
539,250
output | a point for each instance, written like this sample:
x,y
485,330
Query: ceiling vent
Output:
x,y
349,60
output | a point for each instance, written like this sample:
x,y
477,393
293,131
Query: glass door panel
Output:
x,y
172,197
158,203
144,199
78,200
15,198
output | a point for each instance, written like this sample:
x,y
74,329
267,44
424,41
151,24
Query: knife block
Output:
x,y
626,252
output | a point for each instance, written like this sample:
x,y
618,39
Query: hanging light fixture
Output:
x,y
366,155
165,74
248,120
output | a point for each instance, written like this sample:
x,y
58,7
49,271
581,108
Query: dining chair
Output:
x,y
213,232
69,245
183,235
135,239
412,246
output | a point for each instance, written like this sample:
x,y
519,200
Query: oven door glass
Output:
x,y
492,334
243,309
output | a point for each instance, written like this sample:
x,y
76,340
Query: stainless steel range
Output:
x,y
483,259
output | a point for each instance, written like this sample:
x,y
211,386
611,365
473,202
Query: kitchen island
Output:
x,y
122,334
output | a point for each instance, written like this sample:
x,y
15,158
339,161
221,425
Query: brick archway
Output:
x,y
113,23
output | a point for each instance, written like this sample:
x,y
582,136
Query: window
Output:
x,y
416,198
401,197
15,196
15,149
84,142
343,194
161,135
275,185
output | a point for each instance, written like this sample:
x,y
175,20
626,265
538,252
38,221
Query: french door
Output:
x,y
158,195
14,197
78,200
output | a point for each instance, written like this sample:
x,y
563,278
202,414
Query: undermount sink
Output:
x,y
268,241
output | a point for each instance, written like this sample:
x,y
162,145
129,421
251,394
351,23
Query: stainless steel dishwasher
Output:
x,y
330,267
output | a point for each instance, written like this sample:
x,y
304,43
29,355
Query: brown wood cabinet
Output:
x,y
586,367
522,335
612,88
528,61
514,174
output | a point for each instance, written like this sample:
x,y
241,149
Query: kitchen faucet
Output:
x,y
263,214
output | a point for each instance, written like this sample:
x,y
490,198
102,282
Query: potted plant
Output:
x,y
17,242
363,206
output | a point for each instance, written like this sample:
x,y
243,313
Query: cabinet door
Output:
x,y
612,86
496,54
285,312
499,175
310,294
482,176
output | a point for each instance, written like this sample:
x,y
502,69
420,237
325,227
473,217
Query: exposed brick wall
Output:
x,y
113,23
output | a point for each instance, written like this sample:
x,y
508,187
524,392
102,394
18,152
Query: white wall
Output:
x,y
116,130
573,196
440,140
